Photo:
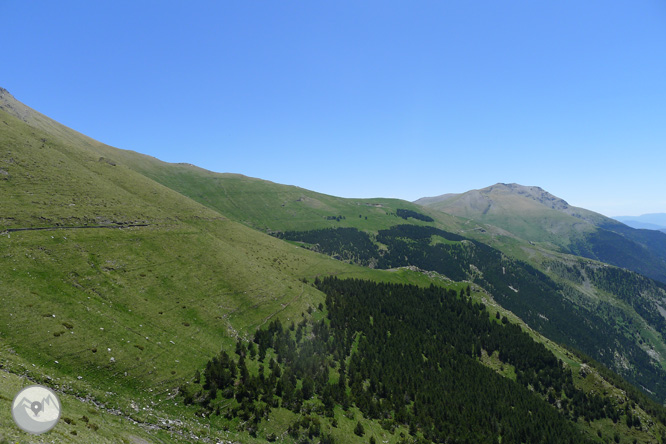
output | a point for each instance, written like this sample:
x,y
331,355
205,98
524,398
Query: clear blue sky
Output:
x,y
363,98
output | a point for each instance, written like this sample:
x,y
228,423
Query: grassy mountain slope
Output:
x,y
528,212
101,262
553,233
128,287
266,205
273,207
537,216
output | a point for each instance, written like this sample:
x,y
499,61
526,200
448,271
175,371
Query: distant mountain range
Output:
x,y
652,221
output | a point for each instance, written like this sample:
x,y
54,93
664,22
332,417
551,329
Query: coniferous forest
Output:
x,y
347,244
405,214
405,356
517,286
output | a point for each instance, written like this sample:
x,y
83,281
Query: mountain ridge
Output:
x,y
535,215
650,221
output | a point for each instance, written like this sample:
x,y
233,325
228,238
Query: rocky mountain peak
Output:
x,y
535,193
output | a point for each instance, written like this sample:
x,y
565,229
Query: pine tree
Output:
x,y
359,429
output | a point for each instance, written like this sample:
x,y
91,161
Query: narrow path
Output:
x,y
268,318
12,230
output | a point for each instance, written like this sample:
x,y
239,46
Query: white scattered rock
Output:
x,y
112,359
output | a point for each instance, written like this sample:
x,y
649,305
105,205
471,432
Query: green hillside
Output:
x,y
101,262
537,222
269,206
537,216
123,278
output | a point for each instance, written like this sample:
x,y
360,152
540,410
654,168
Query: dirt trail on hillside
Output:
x,y
12,230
